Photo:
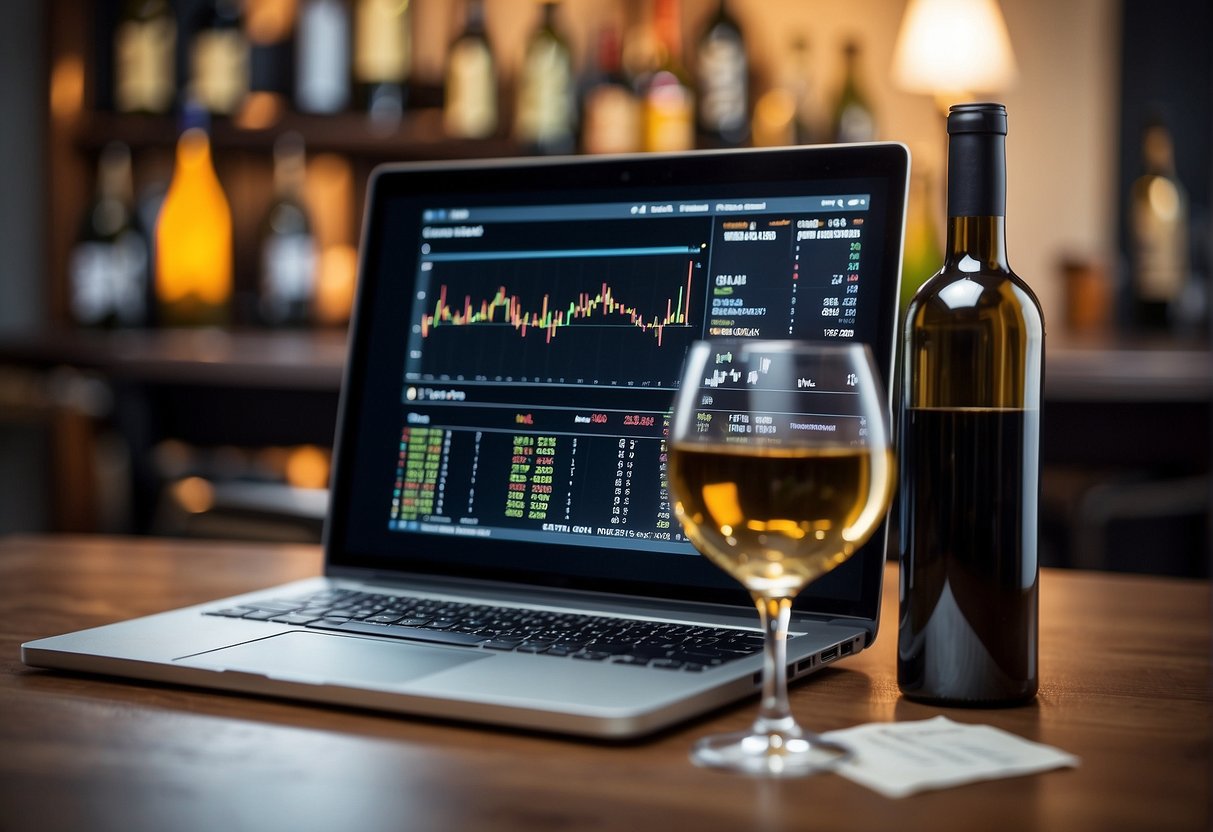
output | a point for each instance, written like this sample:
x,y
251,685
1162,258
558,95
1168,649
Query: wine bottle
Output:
x,y
383,58
109,263
322,57
1158,213
145,44
853,117
288,247
610,111
970,444
722,82
470,107
546,113
194,235
220,58
786,113
667,98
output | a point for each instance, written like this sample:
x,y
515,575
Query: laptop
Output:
x,y
500,545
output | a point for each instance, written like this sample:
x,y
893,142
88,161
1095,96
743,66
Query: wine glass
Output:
x,y
780,468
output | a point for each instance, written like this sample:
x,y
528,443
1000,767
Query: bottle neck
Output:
x,y
290,166
977,175
114,180
977,200
669,34
610,61
194,150
549,17
475,19
850,60
1158,154
977,244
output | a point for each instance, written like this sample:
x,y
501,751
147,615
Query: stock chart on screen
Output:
x,y
544,343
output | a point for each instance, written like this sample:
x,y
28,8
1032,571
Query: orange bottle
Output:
x,y
194,237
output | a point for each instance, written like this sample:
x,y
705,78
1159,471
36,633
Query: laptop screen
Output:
x,y
520,332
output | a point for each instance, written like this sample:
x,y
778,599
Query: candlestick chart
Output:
x,y
560,316
600,309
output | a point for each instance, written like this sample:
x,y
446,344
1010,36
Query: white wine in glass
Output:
x,y
780,469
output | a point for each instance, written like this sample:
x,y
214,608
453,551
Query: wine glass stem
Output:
x,y
775,715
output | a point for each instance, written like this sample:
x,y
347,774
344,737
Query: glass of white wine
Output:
x,y
781,468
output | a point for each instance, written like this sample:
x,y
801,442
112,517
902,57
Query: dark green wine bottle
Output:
x,y
970,445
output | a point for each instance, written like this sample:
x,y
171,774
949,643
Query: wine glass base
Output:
x,y
770,754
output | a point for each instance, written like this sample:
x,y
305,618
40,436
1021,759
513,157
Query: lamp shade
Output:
x,y
953,48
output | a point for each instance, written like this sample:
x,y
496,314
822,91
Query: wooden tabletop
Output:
x,y
1125,685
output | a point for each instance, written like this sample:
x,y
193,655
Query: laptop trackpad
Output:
x,y
317,658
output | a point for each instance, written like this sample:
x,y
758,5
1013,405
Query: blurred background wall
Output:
x,y
148,430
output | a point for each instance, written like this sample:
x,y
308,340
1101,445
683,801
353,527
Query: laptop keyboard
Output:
x,y
671,646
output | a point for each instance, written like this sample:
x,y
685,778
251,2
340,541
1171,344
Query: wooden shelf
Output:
x,y
418,136
304,361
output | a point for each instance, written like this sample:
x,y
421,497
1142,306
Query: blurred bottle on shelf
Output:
x,y
270,28
322,56
638,48
194,235
329,195
219,58
288,246
383,52
722,81
470,101
854,120
145,48
786,113
108,268
610,110
545,118
1158,228
668,101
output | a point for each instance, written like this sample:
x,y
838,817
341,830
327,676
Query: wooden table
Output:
x,y
1125,670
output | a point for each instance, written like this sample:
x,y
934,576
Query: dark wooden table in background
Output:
x,y
1125,671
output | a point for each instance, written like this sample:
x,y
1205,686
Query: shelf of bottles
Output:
x,y
252,124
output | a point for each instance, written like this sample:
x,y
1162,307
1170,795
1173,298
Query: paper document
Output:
x,y
901,758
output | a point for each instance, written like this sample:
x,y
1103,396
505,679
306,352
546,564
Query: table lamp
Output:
x,y
952,49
